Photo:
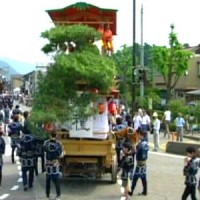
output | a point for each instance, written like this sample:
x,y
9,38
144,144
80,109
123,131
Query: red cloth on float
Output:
x,y
112,107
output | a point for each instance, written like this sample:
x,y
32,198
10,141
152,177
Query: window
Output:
x,y
198,65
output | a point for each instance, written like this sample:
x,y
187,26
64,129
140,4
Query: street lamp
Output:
x,y
134,60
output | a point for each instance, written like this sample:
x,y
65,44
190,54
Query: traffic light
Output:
x,y
142,75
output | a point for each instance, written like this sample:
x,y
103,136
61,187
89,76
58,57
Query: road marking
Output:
x,y
20,173
15,187
4,196
8,150
119,181
19,180
18,162
19,167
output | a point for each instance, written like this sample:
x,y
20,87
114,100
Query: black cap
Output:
x,y
127,145
191,149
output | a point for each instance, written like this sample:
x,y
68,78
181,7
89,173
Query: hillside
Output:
x,y
16,67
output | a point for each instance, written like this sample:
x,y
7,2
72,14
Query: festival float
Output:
x,y
79,91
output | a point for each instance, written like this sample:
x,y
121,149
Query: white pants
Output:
x,y
156,140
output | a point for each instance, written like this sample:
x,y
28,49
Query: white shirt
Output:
x,y
156,125
137,120
146,120
167,115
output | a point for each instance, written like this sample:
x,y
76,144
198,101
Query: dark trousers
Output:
x,y
144,183
28,180
13,154
56,180
118,151
189,190
0,174
42,164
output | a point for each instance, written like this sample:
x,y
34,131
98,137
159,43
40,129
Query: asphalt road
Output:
x,y
165,181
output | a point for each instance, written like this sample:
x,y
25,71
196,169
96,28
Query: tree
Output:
x,y
82,68
123,59
171,62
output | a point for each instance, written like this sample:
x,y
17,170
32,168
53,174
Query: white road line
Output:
x,y
4,196
18,162
20,173
119,181
19,167
19,180
122,190
15,187
8,150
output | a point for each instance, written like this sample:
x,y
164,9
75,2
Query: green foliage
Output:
x,y
172,127
124,59
178,106
60,36
152,94
195,110
171,62
57,98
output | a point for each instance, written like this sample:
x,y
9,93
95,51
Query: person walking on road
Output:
x,y
7,117
190,170
40,153
53,151
146,123
156,131
14,131
2,151
137,121
127,165
167,121
180,123
26,153
141,157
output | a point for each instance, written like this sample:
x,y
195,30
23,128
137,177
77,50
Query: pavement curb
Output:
x,y
179,147
191,137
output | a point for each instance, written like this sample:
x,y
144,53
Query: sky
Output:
x,y
22,21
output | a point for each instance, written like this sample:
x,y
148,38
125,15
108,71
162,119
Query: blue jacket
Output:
x,y
14,128
27,146
53,149
142,150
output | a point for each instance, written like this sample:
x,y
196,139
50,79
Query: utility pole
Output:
x,y
134,60
142,55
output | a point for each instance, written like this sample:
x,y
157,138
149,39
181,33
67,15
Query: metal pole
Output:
x,y
141,54
133,60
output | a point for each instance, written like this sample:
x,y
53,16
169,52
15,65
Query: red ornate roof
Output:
x,y
84,13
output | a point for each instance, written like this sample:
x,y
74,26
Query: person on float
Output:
x,y
108,39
